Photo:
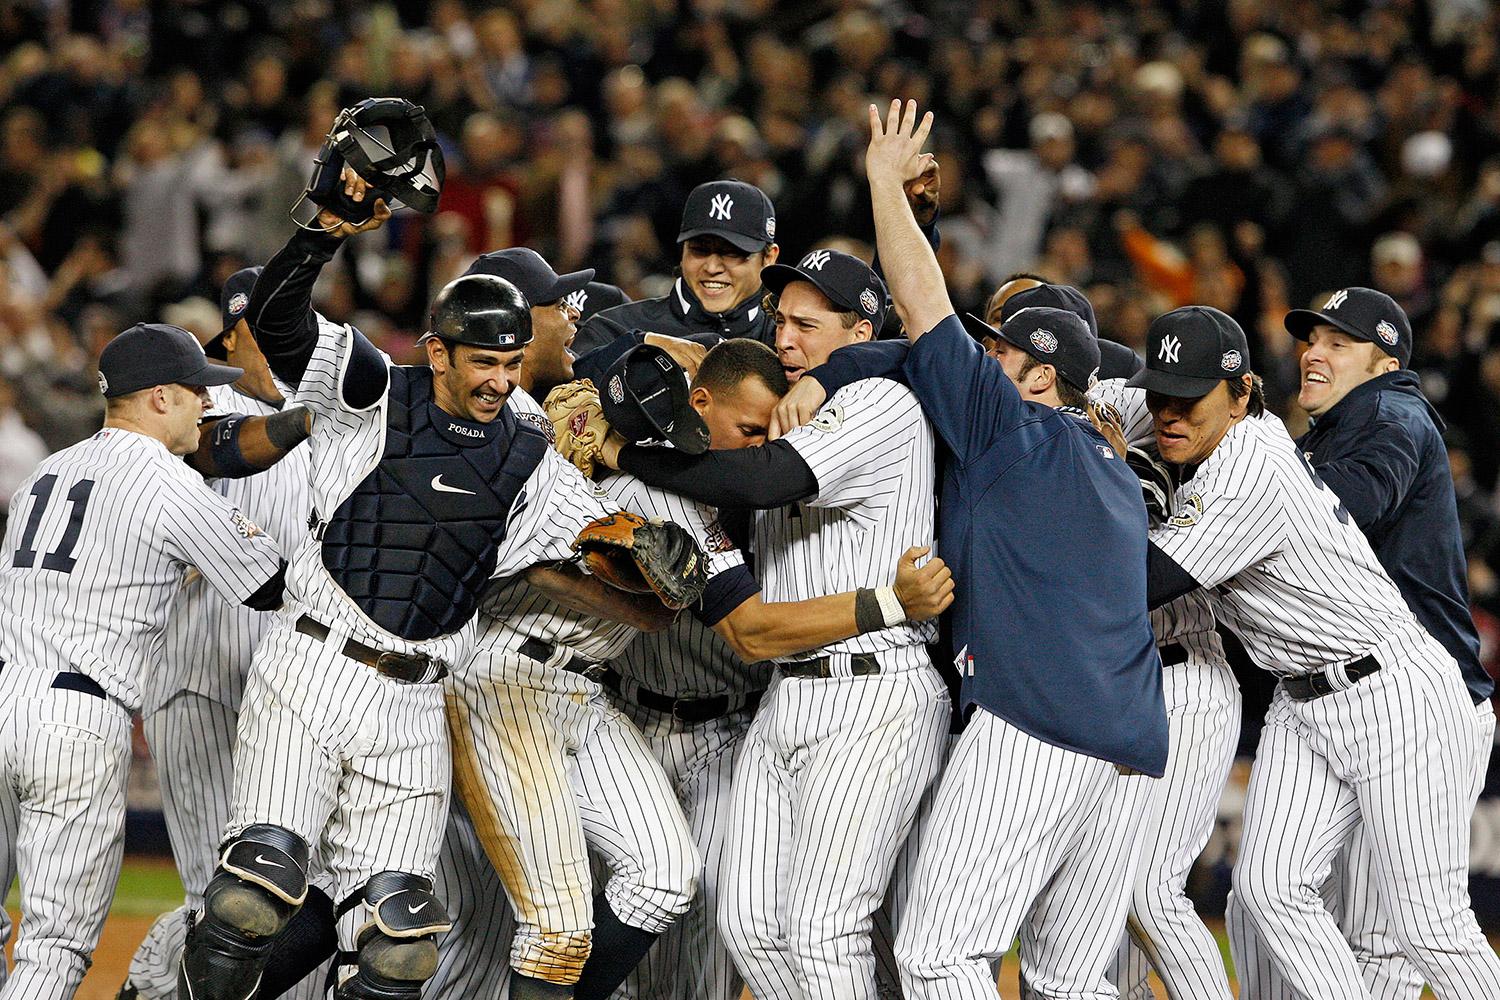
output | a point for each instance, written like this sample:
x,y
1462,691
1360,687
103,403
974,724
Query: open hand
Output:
x,y
895,152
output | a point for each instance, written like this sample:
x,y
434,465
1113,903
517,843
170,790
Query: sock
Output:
x,y
618,949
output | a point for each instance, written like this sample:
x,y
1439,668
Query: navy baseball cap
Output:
x,y
530,272
1053,297
1362,313
1190,350
150,354
595,297
1117,360
732,210
645,398
848,282
1056,337
234,299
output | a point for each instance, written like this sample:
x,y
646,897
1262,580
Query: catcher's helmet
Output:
x,y
391,145
482,310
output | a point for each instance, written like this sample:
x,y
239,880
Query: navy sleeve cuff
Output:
x,y
725,592
1165,580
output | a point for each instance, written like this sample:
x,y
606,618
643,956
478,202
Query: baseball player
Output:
x,y
423,488
728,235
1370,724
1056,861
845,742
101,538
1377,443
191,700
1204,705
554,316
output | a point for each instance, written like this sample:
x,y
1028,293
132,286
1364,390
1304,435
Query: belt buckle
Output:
x,y
591,671
410,667
700,712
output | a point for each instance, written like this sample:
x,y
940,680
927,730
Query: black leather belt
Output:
x,y
541,652
409,668
1173,654
689,710
860,665
1310,686
70,680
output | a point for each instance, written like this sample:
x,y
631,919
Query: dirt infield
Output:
x,y
121,935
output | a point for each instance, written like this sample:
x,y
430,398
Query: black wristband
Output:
x,y
867,614
288,428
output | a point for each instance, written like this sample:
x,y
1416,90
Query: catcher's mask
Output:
x,y
391,145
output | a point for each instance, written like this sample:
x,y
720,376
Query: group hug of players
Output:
x,y
461,682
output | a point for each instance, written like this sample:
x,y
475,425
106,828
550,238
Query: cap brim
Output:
x,y
978,328
212,374
1300,322
214,347
1172,384
569,283
776,277
690,435
749,244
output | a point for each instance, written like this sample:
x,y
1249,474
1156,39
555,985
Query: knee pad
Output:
x,y
394,951
260,884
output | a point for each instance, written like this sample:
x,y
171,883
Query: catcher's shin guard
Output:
x,y
260,884
396,951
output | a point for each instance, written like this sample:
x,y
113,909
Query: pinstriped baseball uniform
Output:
x,y
97,547
831,772
1296,578
690,661
1203,719
345,757
573,773
192,700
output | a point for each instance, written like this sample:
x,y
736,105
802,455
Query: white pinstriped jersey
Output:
x,y
99,540
688,659
530,412
516,608
1288,567
871,450
346,444
1190,613
207,643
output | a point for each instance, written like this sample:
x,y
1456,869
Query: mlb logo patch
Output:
x,y
868,301
1044,341
1230,361
1387,333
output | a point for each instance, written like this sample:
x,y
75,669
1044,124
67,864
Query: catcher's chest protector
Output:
x,y
415,543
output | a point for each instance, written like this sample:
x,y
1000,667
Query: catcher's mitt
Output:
x,y
1158,485
1106,420
579,423
645,557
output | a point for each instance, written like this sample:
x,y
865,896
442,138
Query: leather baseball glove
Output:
x,y
645,557
579,423
1158,485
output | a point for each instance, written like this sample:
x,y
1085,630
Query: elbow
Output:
x,y
747,635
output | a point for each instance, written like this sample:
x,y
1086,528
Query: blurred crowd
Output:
x,y
1248,154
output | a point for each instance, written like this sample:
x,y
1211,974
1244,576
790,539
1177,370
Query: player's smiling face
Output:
x,y
472,382
1335,363
1188,430
809,329
720,274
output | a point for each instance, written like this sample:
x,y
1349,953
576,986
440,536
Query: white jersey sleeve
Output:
x,y
203,530
858,442
698,519
552,507
1135,419
1228,517
321,385
529,412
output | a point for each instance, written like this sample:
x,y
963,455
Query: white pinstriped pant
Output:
x,y
1025,838
192,740
1352,897
1395,753
354,762
690,961
825,791
64,758
548,769
1203,714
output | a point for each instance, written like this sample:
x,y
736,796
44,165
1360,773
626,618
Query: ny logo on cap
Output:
x,y
815,260
720,206
1336,299
1170,345
576,299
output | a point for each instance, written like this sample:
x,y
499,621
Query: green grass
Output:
x,y
147,887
